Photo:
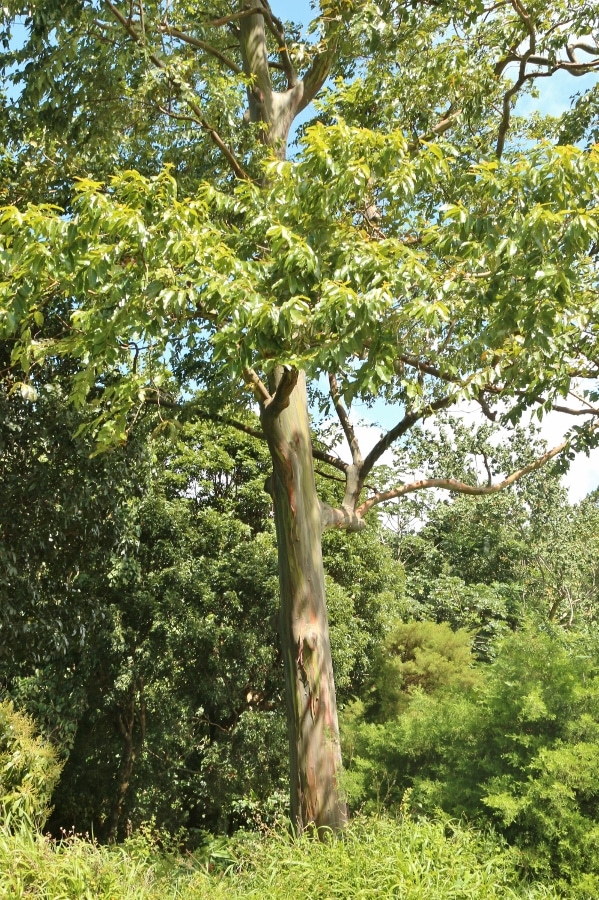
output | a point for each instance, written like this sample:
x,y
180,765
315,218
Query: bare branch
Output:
x,y
348,428
318,72
328,475
487,411
258,387
572,412
331,460
460,487
425,368
408,421
591,49
200,45
574,67
191,410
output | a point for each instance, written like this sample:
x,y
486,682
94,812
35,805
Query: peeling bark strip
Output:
x,y
315,755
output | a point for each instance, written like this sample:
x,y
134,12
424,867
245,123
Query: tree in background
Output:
x,y
424,246
63,518
488,563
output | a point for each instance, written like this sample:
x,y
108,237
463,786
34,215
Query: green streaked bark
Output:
x,y
315,756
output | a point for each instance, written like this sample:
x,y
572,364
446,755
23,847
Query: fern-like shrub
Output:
x,y
29,769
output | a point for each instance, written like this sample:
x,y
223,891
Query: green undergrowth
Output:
x,y
376,858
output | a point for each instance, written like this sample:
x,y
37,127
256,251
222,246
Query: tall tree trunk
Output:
x,y
314,750
133,712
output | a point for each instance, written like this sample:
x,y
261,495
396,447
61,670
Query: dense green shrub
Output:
x,y
29,770
520,750
419,655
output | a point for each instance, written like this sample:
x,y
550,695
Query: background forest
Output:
x,y
463,631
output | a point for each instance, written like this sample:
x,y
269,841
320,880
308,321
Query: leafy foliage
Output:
x,y
423,246
29,769
168,702
518,749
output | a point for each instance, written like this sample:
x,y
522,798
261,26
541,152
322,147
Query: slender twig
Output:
x,y
342,415
234,17
328,475
213,133
199,119
133,34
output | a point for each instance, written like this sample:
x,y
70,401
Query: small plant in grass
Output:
x,y
29,769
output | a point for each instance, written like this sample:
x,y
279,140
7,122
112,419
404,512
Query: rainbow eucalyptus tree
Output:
x,y
422,244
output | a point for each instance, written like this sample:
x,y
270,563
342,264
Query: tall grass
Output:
x,y
375,859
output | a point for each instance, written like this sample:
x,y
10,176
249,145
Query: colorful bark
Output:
x,y
315,757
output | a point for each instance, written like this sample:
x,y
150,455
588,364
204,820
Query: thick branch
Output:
x,y
443,125
255,59
331,460
460,487
591,49
408,421
287,380
318,72
507,99
340,517
201,45
276,28
259,388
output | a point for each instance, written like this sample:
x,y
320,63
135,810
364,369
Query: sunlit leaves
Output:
x,y
297,273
